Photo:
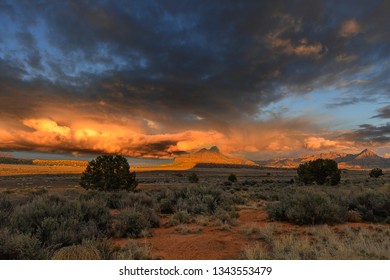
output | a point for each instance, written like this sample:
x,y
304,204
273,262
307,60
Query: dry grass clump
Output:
x,y
184,229
133,251
179,218
202,220
77,252
321,243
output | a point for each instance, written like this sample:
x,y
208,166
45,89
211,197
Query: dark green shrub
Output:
x,y
94,211
91,194
232,178
27,218
150,215
56,220
131,223
122,200
321,171
373,205
376,172
108,173
308,207
16,246
193,178
167,205
276,211
62,232
166,201
199,200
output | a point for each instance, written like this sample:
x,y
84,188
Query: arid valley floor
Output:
x,y
244,234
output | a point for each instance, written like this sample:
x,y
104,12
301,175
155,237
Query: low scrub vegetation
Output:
x,y
311,205
199,200
321,243
73,225
131,223
308,206
39,225
84,224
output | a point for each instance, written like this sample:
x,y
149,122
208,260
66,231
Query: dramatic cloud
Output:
x,y
156,78
320,143
371,134
383,113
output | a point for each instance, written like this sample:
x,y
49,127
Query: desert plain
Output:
x,y
243,230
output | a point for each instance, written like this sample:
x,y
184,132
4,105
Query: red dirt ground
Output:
x,y
213,242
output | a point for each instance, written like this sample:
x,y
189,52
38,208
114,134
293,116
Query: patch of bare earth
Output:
x,y
211,242
215,241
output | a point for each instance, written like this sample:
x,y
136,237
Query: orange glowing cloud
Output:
x,y
46,125
48,135
349,28
320,143
81,133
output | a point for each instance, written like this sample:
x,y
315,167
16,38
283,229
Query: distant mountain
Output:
x,y
210,156
368,159
364,159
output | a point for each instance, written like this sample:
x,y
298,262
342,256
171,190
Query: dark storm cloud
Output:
x,y
157,149
383,113
370,134
187,64
204,56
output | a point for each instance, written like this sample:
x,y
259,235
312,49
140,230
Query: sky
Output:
x,y
155,79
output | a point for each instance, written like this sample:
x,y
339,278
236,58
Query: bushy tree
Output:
x,y
232,178
193,178
376,172
321,171
108,173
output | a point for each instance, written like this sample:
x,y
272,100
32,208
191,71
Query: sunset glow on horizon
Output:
x,y
154,79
